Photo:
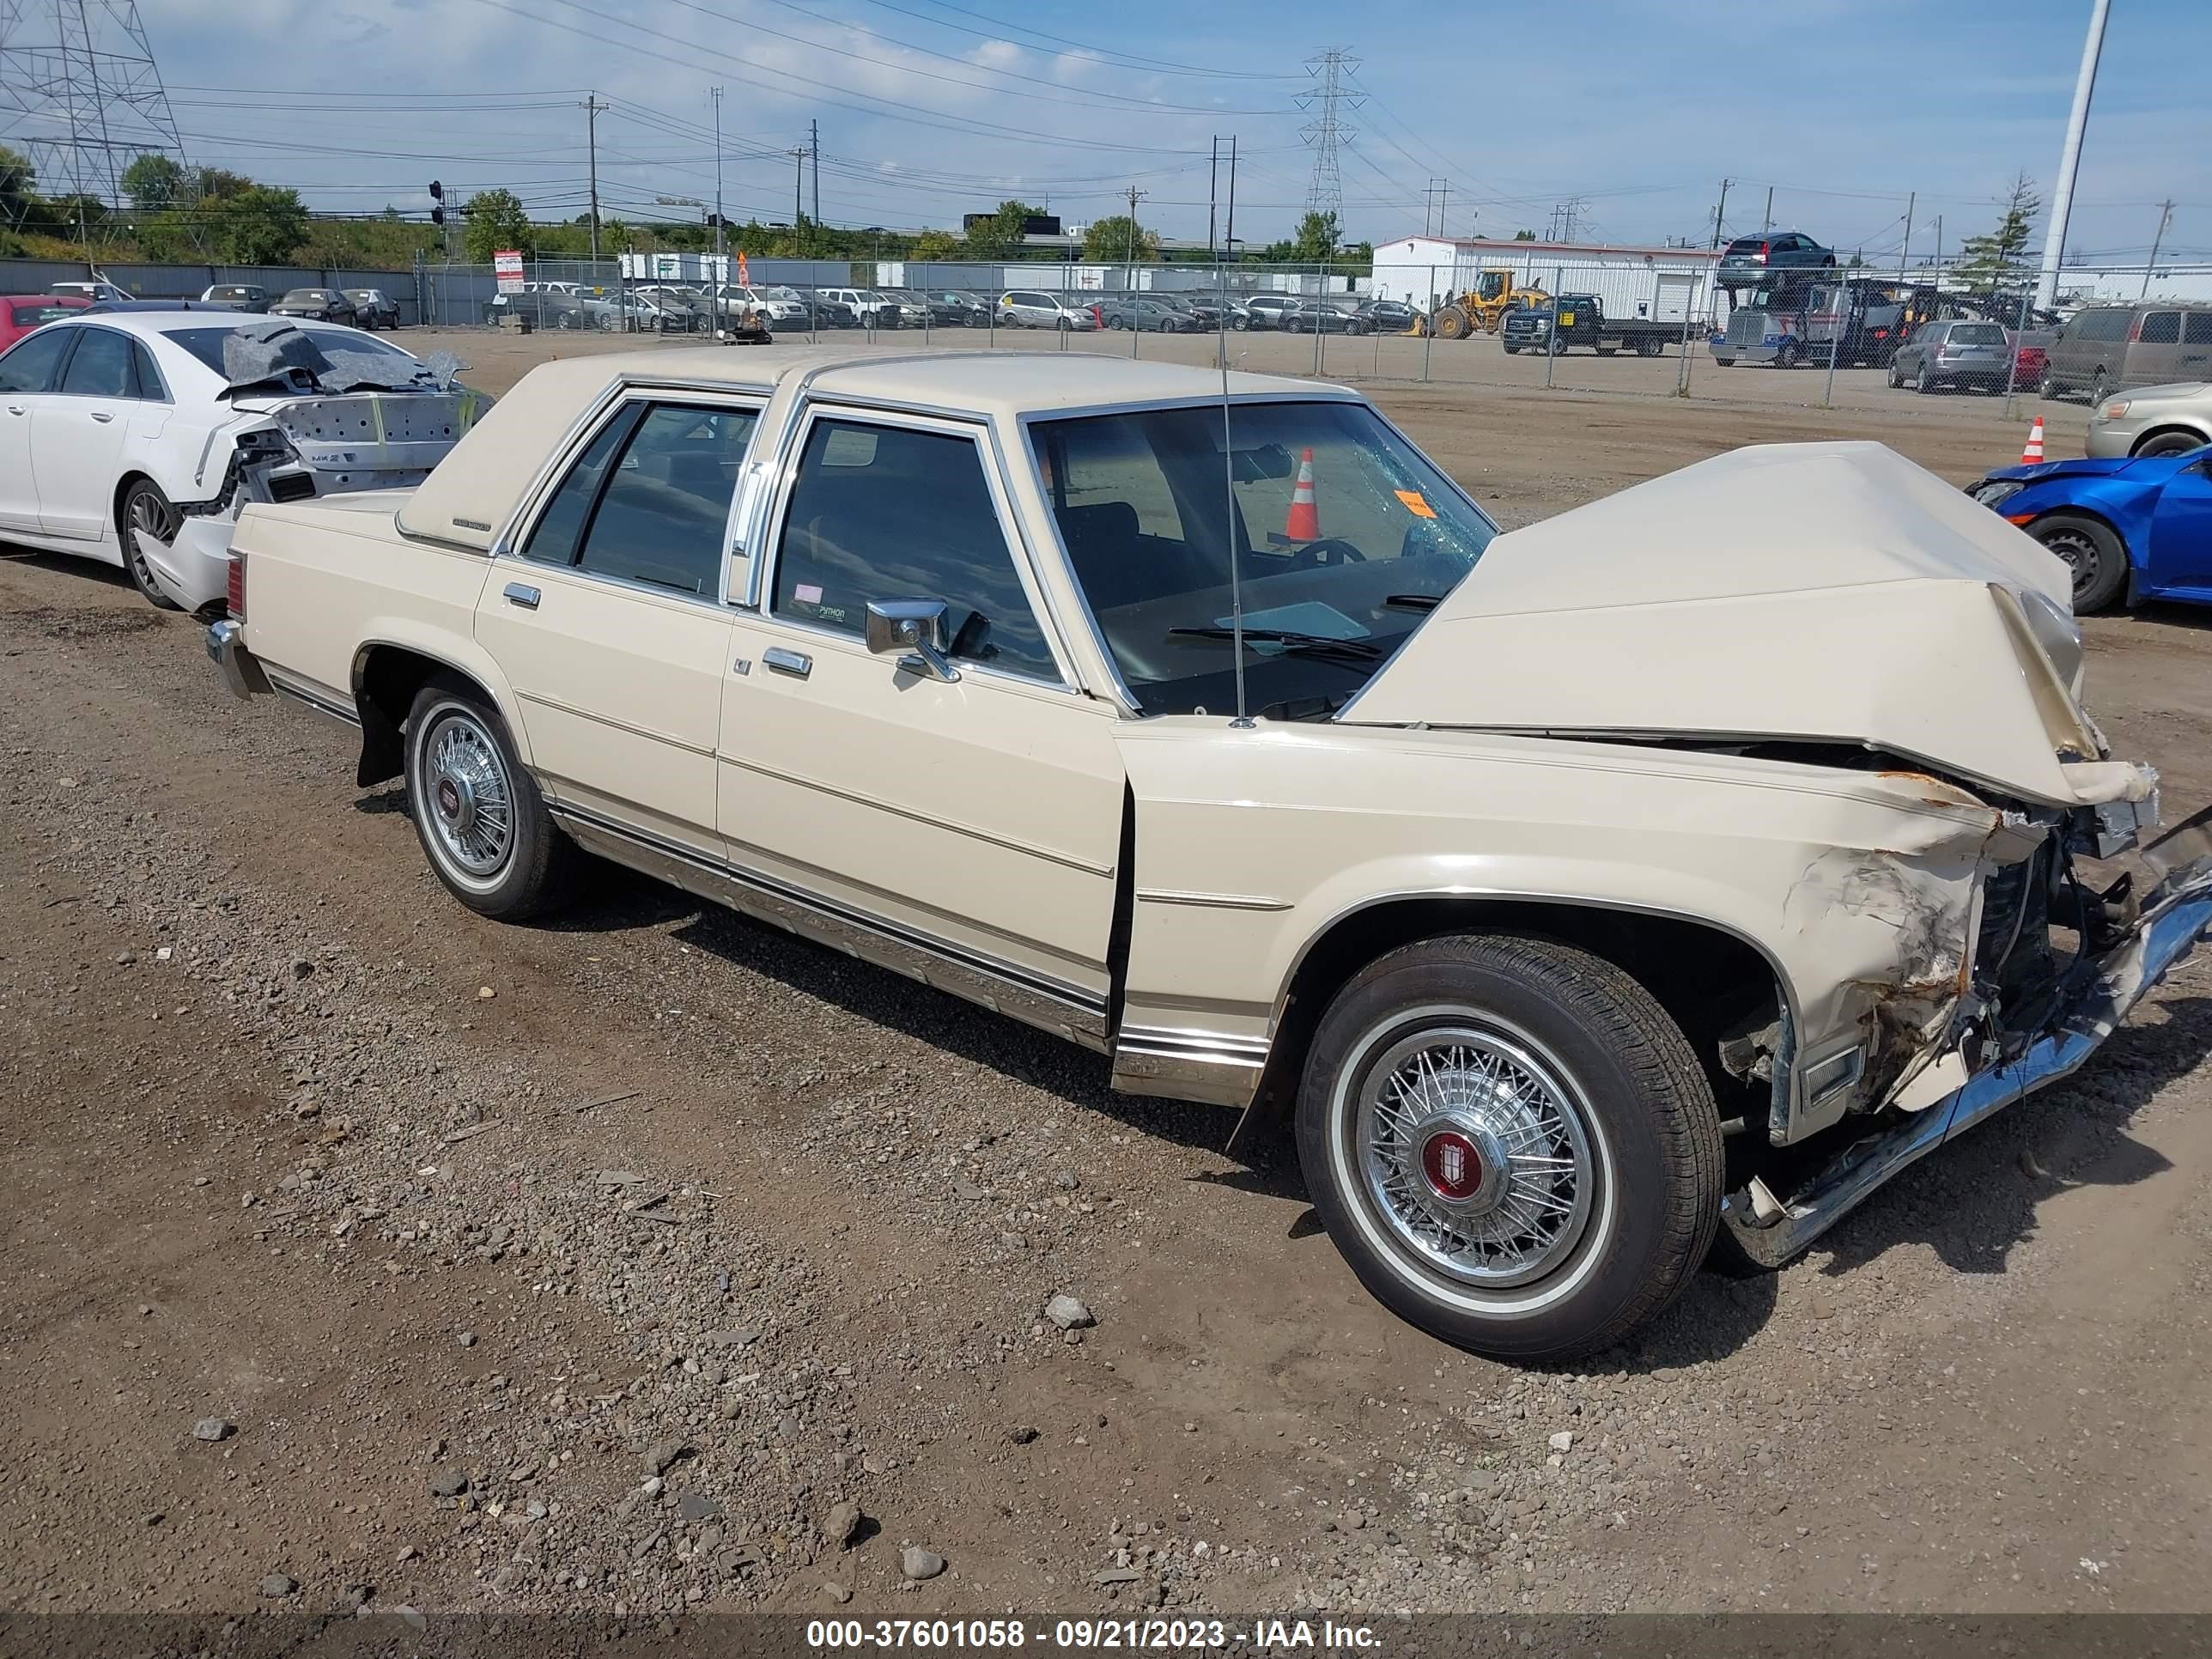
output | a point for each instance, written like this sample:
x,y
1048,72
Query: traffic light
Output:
x,y
438,196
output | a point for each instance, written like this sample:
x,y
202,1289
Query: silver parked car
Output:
x,y
1029,307
2152,420
1961,353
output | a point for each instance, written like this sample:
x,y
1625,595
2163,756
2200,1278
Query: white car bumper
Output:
x,y
194,569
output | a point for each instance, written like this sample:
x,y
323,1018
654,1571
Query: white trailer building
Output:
x,y
1662,283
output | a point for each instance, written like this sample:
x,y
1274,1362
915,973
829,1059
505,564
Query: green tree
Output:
x,y
937,244
1313,243
1986,261
260,225
1524,235
1117,238
218,181
18,188
153,182
1000,234
493,220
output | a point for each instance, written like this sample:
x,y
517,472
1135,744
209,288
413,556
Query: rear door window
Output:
x,y
661,516
102,367
2160,328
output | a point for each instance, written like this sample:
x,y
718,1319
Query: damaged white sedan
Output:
x,y
1579,895
134,438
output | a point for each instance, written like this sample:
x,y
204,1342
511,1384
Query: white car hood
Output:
x,y
1829,593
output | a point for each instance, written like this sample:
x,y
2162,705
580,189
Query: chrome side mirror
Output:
x,y
913,631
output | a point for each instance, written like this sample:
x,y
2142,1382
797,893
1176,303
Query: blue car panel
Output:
x,y
2160,508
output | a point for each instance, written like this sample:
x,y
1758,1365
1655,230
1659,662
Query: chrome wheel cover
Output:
x,y
1474,1154
468,801
146,519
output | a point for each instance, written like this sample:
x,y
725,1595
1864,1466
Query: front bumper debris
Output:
x,y
241,671
2175,916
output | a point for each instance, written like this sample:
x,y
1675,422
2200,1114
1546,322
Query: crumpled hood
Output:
x,y
1827,592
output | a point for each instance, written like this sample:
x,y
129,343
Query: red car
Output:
x,y
2031,354
21,313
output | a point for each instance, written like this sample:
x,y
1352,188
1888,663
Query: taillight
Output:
x,y
2135,330
234,588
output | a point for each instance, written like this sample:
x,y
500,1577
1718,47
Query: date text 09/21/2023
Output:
x,y
1140,1635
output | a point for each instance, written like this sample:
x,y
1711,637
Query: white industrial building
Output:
x,y
1662,283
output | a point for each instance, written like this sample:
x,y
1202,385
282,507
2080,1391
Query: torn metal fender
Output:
x,y
2176,915
1909,911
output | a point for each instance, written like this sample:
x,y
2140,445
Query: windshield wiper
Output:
x,y
1291,640
1414,601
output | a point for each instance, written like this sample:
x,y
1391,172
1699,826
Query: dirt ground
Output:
x,y
463,1231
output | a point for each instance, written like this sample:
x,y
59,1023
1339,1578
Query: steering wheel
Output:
x,y
1326,554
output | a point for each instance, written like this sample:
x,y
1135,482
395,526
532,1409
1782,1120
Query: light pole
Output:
x,y
2069,158
721,254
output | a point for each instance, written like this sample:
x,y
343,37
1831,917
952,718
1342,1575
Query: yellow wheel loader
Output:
x,y
1480,310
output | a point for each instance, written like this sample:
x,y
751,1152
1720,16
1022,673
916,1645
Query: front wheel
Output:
x,y
2095,556
146,515
1511,1143
477,812
2170,443
1789,357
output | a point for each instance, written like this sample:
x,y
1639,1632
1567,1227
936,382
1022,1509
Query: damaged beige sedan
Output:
x,y
1583,899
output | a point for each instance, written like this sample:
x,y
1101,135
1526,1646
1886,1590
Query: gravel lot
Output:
x,y
651,1260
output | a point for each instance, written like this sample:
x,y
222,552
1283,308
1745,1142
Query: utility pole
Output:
x,y
1720,212
1212,189
1939,250
591,108
2165,218
721,246
1135,197
1229,229
1443,206
1769,222
1904,252
814,145
2070,159
799,198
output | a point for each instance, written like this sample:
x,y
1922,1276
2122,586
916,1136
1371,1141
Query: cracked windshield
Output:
x,y
1343,539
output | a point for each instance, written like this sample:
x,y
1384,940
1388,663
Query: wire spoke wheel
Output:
x,y
470,800
1474,1152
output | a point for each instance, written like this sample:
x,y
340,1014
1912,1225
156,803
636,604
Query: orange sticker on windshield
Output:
x,y
1416,503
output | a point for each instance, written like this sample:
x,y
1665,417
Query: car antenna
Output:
x,y
1243,720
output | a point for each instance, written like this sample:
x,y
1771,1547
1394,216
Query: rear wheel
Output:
x,y
1789,355
146,513
2094,552
1511,1143
2100,389
1923,381
477,810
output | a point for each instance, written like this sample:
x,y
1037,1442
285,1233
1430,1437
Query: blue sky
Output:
x,y
929,108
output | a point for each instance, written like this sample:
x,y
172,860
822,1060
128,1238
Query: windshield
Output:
x,y
1344,538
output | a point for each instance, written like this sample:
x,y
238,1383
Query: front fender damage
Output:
x,y
1898,923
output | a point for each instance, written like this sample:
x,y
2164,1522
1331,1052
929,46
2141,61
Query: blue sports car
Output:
x,y
2131,529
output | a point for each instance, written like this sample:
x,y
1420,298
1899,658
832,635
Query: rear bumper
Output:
x,y
241,671
194,568
2175,916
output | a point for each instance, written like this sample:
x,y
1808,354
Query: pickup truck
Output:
x,y
1579,320
992,668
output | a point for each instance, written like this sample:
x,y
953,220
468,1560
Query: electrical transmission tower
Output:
x,y
80,95
1328,99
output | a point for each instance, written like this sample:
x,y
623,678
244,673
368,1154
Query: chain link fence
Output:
x,y
1656,322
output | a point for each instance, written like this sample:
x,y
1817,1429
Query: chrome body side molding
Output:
x,y
1184,1064
1004,988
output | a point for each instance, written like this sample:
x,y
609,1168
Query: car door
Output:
x,y
607,618
2154,356
78,433
2196,360
976,820
2181,533
28,373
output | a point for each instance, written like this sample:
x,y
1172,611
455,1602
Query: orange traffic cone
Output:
x,y
1304,523
2033,453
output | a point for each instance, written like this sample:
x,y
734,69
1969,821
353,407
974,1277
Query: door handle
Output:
x,y
797,663
522,594
102,416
